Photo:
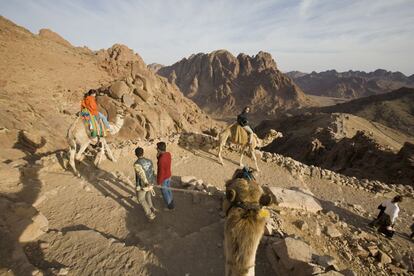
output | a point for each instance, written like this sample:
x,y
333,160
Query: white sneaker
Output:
x,y
151,216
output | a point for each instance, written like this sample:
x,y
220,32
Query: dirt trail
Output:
x,y
96,226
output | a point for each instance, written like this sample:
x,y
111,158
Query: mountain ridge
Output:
x,y
350,84
222,83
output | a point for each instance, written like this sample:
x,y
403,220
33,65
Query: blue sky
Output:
x,y
307,35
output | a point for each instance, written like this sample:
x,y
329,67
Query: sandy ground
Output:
x,y
97,228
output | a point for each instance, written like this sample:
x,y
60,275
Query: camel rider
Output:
x,y
243,121
89,102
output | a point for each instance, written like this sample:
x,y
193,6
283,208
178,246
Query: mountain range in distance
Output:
x,y
350,84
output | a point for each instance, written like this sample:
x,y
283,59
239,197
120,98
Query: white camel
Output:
x,y
256,143
78,135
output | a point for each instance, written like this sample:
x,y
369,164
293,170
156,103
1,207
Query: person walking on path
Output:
x,y
386,221
144,179
164,174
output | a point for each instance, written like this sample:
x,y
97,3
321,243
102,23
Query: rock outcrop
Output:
x,y
344,143
394,109
222,83
45,77
295,199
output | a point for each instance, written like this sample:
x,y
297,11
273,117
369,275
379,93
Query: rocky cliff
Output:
x,y
44,77
222,83
345,143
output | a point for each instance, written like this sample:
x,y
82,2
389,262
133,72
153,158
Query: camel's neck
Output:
x,y
119,122
263,142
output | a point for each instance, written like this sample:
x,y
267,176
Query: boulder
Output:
x,y
144,95
118,89
187,179
295,199
128,100
383,258
331,231
325,260
290,257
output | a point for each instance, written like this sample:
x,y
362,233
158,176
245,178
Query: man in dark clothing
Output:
x,y
164,174
144,180
242,120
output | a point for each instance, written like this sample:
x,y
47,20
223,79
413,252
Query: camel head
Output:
x,y
247,195
244,225
273,134
270,137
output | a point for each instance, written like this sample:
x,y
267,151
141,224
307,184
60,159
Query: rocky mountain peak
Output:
x,y
220,82
264,61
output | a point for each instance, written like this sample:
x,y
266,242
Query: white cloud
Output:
x,y
301,35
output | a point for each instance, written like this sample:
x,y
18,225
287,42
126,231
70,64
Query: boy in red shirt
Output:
x,y
164,174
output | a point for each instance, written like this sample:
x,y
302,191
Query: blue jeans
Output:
x,y
104,120
167,193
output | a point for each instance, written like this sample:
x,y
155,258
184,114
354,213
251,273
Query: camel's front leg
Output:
x,y
254,158
241,156
108,150
79,155
72,153
100,155
219,153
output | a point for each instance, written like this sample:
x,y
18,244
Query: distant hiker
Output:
x,y
388,214
89,102
242,120
144,180
164,174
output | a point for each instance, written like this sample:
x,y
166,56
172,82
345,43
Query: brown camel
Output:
x,y
256,143
78,135
244,225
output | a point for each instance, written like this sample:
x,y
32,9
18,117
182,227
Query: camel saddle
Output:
x,y
238,134
95,126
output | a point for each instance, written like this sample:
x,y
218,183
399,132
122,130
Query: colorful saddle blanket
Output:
x,y
93,124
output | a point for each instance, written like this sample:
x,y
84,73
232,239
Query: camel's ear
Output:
x,y
265,200
231,195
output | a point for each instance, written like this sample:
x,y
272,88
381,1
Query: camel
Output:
x,y
256,143
244,225
78,135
